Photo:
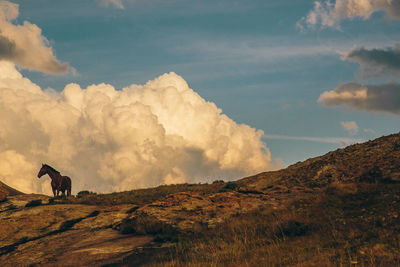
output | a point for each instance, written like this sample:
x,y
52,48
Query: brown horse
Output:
x,y
59,183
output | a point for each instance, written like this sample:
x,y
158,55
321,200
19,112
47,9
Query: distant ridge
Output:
x,y
375,161
11,191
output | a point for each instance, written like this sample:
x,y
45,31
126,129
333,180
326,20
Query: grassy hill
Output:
x,y
341,208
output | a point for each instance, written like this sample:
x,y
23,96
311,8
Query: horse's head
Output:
x,y
42,171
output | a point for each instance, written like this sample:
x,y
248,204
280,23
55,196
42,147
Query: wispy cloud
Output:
x,y
259,50
343,141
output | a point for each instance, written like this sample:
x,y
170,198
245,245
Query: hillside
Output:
x,y
10,191
339,208
374,161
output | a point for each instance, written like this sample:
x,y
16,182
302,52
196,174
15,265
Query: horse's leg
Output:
x,y
54,192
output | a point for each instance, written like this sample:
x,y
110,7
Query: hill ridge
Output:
x,y
376,160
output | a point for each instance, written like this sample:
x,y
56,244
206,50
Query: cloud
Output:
x,y
350,126
255,50
328,14
343,141
375,62
25,45
110,140
381,98
113,3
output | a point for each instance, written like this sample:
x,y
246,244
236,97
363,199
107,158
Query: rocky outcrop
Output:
x,y
190,212
3,194
62,234
89,235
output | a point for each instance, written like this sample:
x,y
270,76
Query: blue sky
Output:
x,y
248,57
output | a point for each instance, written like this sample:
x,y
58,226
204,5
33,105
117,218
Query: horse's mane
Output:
x,y
51,168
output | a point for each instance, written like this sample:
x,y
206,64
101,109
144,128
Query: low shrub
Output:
x,y
164,238
126,229
34,203
295,228
84,193
230,186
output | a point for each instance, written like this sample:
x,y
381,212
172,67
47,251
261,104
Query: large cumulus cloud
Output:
x,y
328,14
25,45
108,140
381,98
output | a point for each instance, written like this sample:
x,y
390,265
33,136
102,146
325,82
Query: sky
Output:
x,y
125,94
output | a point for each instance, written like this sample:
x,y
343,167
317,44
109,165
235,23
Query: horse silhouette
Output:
x,y
59,183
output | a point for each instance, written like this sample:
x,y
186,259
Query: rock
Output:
x,y
3,194
188,212
63,234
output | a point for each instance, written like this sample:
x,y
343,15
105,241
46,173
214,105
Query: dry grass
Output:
x,y
139,196
342,225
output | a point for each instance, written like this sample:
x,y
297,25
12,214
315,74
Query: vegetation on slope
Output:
x,y
376,161
354,224
351,217
141,196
